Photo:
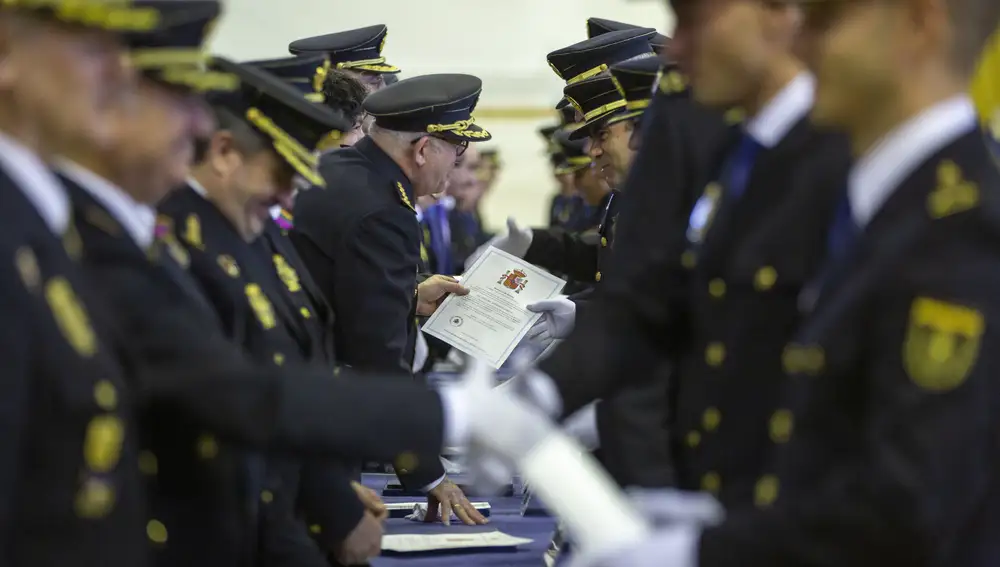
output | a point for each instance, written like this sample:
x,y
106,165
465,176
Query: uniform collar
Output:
x,y
38,183
197,187
876,175
138,219
388,167
776,119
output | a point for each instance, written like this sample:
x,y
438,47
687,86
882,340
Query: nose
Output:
x,y
595,151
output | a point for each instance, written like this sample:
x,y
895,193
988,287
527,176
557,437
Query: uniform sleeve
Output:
x,y
571,253
914,430
285,537
330,506
632,323
15,352
382,259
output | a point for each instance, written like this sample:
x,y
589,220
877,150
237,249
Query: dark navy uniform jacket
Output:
x,y
70,489
361,240
885,443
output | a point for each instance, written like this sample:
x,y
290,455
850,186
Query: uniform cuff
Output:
x,y
434,484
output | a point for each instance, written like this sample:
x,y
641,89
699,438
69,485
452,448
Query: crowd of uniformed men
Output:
x,y
217,272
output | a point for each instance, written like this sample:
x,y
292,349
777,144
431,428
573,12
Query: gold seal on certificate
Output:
x,y
492,319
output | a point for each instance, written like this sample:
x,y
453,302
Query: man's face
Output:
x,y
371,81
156,144
435,159
590,184
67,81
854,50
722,46
354,135
463,183
248,185
611,152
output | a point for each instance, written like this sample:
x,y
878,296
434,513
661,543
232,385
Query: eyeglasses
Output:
x,y
460,147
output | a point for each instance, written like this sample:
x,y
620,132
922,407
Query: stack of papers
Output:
x,y
419,509
417,543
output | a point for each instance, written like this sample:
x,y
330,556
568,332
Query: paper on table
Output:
x,y
489,322
414,543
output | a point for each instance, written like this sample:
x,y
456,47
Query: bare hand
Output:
x,y
432,291
363,543
447,496
373,503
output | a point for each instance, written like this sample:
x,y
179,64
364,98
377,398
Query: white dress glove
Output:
x,y
515,242
556,322
678,516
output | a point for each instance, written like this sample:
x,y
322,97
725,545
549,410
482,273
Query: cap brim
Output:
x,y
474,133
623,117
586,129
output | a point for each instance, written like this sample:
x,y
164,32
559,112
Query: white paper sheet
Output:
x,y
491,320
415,543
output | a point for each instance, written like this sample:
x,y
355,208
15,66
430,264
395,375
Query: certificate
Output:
x,y
489,322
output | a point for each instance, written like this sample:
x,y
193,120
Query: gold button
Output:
x,y
715,353
315,529
405,462
766,491
266,496
305,313
336,371
693,438
689,259
798,359
148,464
279,358
710,482
717,288
782,422
95,499
604,242
156,531
105,395
711,419
207,447
764,279
597,277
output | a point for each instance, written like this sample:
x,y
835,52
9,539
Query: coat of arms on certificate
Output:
x,y
514,279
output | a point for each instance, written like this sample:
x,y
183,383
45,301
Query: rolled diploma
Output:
x,y
577,490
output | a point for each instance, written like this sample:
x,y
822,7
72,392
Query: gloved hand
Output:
x,y
556,322
515,242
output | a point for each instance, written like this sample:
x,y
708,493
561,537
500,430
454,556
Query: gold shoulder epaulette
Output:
x,y
953,194
403,197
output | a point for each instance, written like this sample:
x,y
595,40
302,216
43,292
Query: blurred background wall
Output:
x,y
504,43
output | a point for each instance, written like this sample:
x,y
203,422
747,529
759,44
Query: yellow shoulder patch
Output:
x,y
671,82
942,343
953,193
192,232
287,273
403,197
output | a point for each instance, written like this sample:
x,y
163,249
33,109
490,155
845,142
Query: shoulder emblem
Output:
x,y
671,82
953,193
228,265
70,316
942,343
403,197
287,273
72,242
98,218
261,306
192,232
27,266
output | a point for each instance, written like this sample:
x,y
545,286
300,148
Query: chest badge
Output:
x,y
70,316
287,274
228,265
942,343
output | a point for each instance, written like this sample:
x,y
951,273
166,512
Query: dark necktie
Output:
x,y
739,165
844,232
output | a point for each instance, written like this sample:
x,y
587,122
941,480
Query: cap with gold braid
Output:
x,y
359,49
597,99
305,72
279,112
635,80
111,15
173,54
440,105
600,26
592,57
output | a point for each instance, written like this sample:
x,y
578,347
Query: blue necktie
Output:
x,y
739,165
844,232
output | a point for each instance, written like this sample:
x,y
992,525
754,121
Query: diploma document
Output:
x,y
489,322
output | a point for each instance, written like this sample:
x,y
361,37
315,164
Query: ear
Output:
x,y
222,153
421,149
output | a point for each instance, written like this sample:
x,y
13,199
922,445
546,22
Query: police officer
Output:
x,y
360,237
877,416
70,491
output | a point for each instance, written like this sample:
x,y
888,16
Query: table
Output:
x,y
505,516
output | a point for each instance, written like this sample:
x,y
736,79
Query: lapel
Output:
x,y
401,187
734,217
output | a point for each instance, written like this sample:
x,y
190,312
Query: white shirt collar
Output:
x,y
876,175
138,219
783,111
198,187
38,183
